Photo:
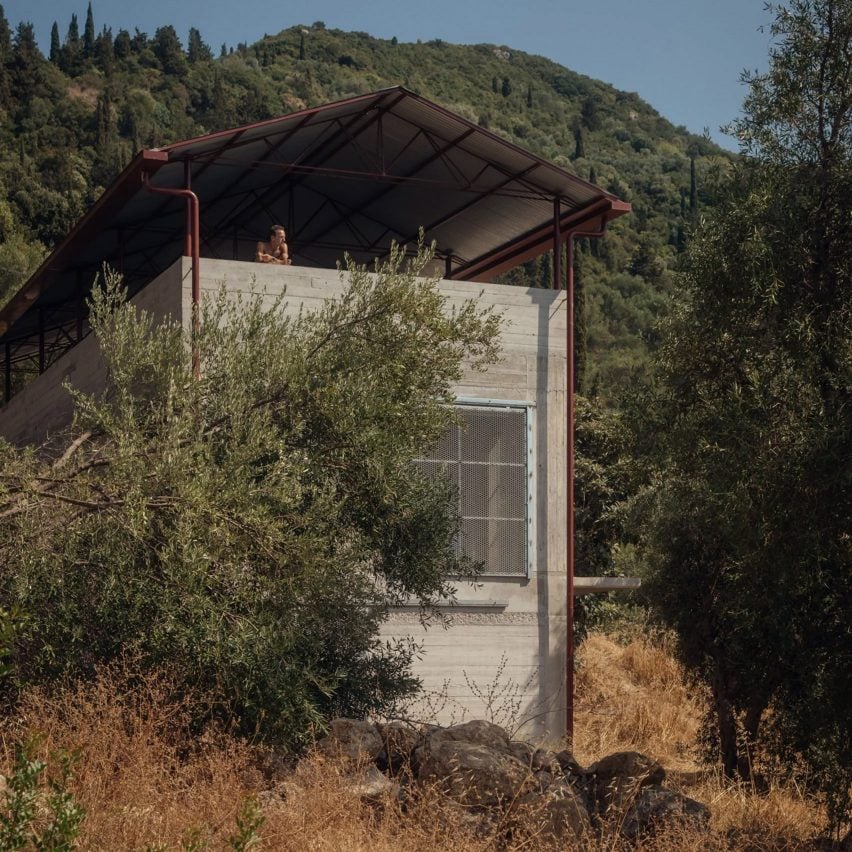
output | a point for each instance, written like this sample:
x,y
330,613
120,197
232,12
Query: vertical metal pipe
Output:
x,y
79,306
569,639
196,282
569,448
7,393
557,247
448,267
194,244
187,234
41,355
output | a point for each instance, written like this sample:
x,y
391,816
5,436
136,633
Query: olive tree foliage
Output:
x,y
746,524
249,529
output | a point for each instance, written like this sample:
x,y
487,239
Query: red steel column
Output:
x,y
569,382
568,285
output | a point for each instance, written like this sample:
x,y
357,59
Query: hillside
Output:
x,y
69,122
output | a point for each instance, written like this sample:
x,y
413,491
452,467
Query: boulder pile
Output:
x,y
489,776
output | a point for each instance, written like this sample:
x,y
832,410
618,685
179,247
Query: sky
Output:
x,y
684,57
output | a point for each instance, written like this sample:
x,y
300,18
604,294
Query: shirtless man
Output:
x,y
275,251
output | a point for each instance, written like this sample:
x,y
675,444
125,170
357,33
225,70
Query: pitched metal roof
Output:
x,y
351,176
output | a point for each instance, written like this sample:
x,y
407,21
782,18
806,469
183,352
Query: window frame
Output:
x,y
528,409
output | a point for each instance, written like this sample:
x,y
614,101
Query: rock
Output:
x,y
615,779
352,739
523,752
545,761
372,785
480,824
276,767
568,765
563,786
655,808
558,813
270,799
543,779
472,774
565,817
478,731
399,741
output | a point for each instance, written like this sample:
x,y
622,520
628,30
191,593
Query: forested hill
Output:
x,y
71,120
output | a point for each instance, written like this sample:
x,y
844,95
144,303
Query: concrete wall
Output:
x,y
44,406
518,622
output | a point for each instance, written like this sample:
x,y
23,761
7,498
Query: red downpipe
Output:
x,y
569,655
569,406
569,443
192,241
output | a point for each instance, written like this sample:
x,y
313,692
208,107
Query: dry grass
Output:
x,y
634,696
147,781
142,777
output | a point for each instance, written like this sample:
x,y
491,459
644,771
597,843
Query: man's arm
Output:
x,y
262,255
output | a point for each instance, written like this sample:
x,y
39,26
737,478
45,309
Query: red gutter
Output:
x,y
191,248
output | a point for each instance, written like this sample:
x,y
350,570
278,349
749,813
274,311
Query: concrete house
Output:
x,y
353,176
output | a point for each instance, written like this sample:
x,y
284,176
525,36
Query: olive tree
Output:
x,y
247,530
746,522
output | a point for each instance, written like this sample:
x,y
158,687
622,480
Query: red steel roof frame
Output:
x,y
489,194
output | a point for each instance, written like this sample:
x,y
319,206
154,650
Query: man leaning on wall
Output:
x,y
275,250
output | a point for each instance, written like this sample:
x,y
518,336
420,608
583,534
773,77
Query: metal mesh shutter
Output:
x,y
486,461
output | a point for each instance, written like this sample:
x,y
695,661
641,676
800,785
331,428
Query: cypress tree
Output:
x,y
495,86
89,34
104,120
70,54
506,89
5,53
26,58
196,49
579,143
55,44
5,37
529,96
693,191
122,45
168,50
589,114
72,39
104,51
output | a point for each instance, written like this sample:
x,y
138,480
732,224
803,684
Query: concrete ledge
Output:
x,y
457,604
595,585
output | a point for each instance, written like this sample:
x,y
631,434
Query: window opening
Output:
x,y
486,460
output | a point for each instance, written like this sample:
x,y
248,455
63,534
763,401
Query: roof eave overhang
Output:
x,y
124,186
589,221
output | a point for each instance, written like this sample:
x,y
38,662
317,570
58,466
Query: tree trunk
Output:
x,y
727,725
751,725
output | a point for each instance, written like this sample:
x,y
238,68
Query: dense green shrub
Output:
x,y
248,529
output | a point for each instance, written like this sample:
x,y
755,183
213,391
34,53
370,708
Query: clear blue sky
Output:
x,y
682,56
